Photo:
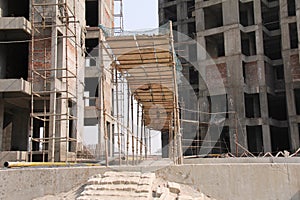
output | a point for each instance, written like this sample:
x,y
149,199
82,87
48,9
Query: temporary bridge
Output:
x,y
147,62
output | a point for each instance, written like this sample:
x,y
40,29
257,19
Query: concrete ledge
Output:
x,y
249,160
221,181
15,85
90,112
239,181
15,23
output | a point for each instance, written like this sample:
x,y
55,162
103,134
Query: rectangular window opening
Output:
x,y
255,139
252,105
246,13
277,106
248,43
91,13
215,45
213,16
293,35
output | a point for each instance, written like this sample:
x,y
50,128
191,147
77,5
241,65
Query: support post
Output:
x,y
132,127
137,131
141,138
117,108
128,123
176,104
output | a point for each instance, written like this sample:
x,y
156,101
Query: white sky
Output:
x,y
140,14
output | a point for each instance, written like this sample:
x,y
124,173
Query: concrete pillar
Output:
x,y
230,12
1,122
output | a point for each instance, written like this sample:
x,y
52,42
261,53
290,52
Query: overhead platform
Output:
x,y
148,64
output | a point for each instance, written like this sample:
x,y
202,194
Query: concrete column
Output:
x,y
230,12
294,136
1,122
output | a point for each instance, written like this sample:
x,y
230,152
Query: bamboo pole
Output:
x,y
145,141
176,104
141,138
117,107
132,126
128,123
137,131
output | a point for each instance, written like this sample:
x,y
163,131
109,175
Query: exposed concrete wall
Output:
x,y
221,181
239,181
31,183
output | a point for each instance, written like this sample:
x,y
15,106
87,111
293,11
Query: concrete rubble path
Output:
x,y
119,185
136,185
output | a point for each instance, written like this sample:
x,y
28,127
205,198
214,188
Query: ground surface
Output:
x,y
129,185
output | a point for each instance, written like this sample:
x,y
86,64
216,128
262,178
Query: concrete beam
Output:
x,y
15,85
15,23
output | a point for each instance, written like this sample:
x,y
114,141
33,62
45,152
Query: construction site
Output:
x,y
84,103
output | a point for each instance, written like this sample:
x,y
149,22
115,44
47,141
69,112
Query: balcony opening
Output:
x,y
91,13
248,43
297,100
17,8
279,139
277,106
190,8
293,35
270,17
14,59
213,16
252,105
291,7
192,30
225,140
92,52
193,76
246,13
91,91
272,47
279,72
171,13
215,45
255,139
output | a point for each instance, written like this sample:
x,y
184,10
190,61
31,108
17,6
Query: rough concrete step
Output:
x,y
119,194
122,174
120,187
109,198
120,180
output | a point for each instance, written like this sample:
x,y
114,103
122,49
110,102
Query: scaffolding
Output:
x,y
54,84
148,64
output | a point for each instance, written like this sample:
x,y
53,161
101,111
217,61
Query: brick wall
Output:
x,y
295,67
251,73
213,76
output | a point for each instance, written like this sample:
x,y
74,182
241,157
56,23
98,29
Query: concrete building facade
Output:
x,y
254,45
42,79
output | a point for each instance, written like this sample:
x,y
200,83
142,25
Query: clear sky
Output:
x,y
140,14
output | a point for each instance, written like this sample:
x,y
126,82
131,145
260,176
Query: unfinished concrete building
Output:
x,y
254,45
42,56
